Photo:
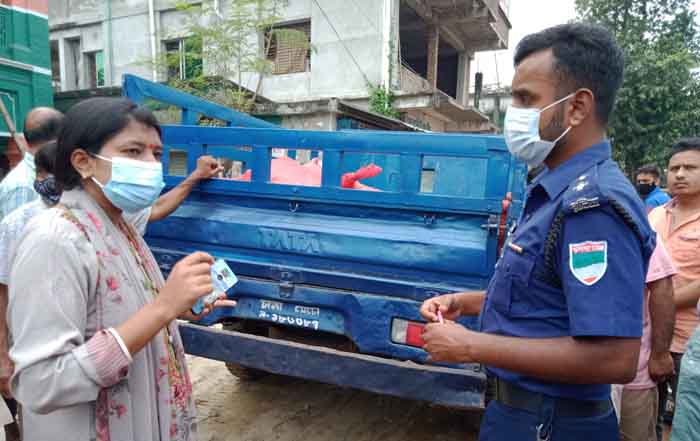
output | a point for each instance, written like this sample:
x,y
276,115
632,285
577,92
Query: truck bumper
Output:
x,y
451,387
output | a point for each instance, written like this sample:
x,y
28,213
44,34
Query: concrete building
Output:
x,y
494,102
422,49
25,70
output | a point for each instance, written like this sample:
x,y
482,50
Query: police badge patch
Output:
x,y
588,261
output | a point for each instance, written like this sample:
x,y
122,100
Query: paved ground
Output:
x,y
275,409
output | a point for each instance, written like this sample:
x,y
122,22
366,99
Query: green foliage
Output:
x,y
232,44
660,98
381,101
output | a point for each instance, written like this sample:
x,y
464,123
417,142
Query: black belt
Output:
x,y
513,396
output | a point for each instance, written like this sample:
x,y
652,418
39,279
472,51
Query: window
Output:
x,y
95,69
289,47
73,64
55,66
183,58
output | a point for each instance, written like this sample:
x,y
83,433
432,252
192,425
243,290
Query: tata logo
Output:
x,y
295,241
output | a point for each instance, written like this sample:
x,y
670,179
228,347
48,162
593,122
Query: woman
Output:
x,y
96,346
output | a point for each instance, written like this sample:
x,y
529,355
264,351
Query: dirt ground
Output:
x,y
275,409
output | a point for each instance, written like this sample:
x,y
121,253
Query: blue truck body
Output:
x,y
327,264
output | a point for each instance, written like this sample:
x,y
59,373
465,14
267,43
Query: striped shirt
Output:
x,y
18,186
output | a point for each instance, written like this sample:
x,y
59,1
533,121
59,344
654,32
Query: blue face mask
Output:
x,y
522,133
135,185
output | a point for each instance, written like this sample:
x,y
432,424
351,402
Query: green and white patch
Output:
x,y
588,261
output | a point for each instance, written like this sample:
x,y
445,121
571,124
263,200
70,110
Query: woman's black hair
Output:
x,y
45,158
89,125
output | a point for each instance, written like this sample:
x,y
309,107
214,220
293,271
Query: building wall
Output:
x,y
333,71
495,105
25,76
124,38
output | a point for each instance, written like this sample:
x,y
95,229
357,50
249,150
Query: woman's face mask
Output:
x,y
135,185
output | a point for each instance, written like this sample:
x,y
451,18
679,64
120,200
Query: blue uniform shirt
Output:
x,y
574,266
656,198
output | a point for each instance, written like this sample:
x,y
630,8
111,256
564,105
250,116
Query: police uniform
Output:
x,y
575,265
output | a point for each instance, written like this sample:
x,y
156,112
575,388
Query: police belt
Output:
x,y
516,397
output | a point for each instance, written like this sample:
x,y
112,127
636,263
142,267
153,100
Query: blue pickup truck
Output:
x,y
331,278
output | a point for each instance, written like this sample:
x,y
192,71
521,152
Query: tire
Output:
x,y
244,373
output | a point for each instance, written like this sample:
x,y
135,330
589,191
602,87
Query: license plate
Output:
x,y
290,314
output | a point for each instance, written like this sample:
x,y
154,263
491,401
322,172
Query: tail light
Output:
x,y
404,332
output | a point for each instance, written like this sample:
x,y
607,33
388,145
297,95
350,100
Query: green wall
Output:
x,y
24,38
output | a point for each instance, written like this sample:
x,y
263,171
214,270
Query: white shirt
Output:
x,y
18,186
12,225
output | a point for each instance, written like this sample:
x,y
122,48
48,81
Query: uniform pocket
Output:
x,y
513,273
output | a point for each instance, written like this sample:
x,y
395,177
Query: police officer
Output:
x,y
562,316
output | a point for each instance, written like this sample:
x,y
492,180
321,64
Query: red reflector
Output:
x,y
413,334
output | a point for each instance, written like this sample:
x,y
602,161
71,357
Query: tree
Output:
x,y
234,43
660,98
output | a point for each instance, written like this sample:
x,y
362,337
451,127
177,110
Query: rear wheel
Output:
x,y
244,373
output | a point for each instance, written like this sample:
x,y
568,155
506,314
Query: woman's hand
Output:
x,y
222,302
189,280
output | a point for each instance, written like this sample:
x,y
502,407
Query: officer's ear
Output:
x,y
583,104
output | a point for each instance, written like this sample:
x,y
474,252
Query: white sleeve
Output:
x,y
5,244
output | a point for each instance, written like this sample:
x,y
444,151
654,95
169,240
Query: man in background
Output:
x,y
649,186
41,126
677,223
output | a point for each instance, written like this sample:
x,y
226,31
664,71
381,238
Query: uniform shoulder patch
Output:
x,y
588,261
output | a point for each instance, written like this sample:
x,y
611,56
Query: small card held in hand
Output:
x,y
223,279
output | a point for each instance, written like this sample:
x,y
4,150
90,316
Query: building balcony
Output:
x,y
466,25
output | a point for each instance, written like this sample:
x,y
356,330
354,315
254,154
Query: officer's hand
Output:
x,y
448,342
447,304
207,168
661,367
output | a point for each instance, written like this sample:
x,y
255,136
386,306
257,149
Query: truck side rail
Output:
x,y
479,169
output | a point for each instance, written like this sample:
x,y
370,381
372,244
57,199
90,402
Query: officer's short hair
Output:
x,y
649,169
585,56
684,145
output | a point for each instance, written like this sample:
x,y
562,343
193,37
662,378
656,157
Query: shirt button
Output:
x,y
528,217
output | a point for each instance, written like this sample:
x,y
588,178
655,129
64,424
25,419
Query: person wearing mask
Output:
x,y
561,319
41,126
107,361
10,228
648,187
678,225
46,187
